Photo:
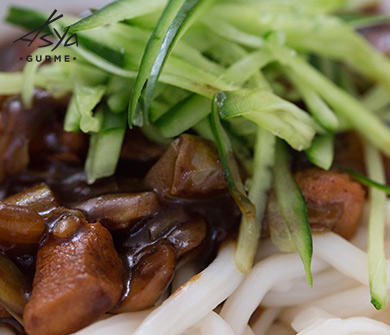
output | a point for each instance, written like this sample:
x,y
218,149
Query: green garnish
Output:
x,y
376,229
249,230
292,207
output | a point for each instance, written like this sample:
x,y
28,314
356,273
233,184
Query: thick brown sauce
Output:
x,y
66,179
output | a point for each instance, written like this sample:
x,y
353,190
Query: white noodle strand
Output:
x,y
211,324
344,256
197,298
121,324
325,283
357,325
265,321
257,283
309,316
248,331
345,304
280,329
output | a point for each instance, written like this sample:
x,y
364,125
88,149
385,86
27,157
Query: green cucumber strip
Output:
x,y
147,21
27,18
280,234
318,34
105,146
153,134
292,207
362,179
321,152
181,68
10,83
183,115
118,94
278,116
87,99
72,116
233,34
171,76
150,54
317,107
225,52
195,57
376,99
363,21
245,253
376,229
103,64
242,70
117,11
242,152
242,127
30,71
249,233
342,103
182,21
203,129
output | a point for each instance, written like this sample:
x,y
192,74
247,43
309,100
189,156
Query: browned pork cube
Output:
x,y
77,280
334,201
189,168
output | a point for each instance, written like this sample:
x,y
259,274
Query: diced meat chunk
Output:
x,y
77,280
150,278
117,211
20,225
39,197
189,168
333,200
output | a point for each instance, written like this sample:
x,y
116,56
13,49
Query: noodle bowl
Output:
x,y
273,298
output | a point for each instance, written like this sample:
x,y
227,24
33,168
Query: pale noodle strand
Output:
x,y
211,324
275,269
121,324
281,329
197,298
325,283
309,316
265,321
357,325
345,304
248,331
344,256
